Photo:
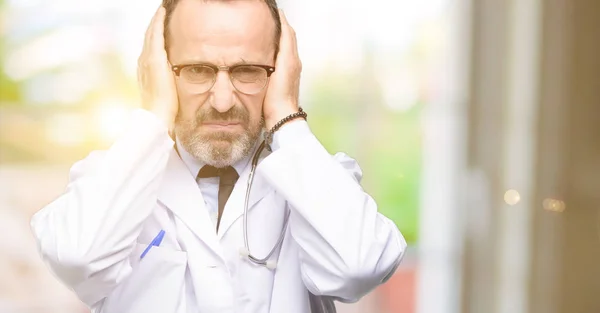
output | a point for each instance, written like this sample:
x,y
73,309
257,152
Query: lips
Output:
x,y
221,125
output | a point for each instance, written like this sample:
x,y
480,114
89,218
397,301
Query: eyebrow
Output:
x,y
198,61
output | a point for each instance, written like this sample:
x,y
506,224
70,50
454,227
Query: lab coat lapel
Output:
x,y
234,208
179,192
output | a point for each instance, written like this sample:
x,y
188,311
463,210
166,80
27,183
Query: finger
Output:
x,y
288,40
284,40
150,28
285,25
284,20
157,39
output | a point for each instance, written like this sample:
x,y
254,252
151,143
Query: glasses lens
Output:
x,y
249,79
200,77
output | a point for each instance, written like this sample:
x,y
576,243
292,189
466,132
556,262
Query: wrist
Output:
x,y
289,134
274,118
299,114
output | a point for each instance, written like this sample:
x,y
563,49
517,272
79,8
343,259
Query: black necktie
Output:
x,y
227,178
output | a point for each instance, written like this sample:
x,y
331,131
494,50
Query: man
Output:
x,y
165,221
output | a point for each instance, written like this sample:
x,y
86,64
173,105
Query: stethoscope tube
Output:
x,y
246,252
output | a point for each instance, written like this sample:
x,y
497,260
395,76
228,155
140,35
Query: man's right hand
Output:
x,y
155,77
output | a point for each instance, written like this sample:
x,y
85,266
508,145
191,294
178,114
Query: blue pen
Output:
x,y
155,242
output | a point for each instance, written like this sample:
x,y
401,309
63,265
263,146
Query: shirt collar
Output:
x,y
194,165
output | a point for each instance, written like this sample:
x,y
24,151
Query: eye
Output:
x,y
249,74
198,73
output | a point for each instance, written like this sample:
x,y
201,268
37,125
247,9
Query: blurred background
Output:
x,y
476,124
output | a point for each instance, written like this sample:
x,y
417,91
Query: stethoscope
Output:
x,y
245,251
317,304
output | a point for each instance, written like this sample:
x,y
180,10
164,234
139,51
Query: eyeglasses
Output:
x,y
246,78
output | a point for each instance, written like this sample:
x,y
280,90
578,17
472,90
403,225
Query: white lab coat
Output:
x,y
337,245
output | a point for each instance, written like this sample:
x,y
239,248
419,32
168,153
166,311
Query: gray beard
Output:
x,y
219,149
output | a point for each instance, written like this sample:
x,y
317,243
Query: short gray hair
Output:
x,y
272,4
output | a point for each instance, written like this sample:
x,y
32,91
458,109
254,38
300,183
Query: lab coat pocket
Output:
x,y
155,283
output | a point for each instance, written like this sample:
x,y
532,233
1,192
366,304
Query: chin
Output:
x,y
220,139
220,144
218,147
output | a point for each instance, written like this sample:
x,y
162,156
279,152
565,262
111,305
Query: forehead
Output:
x,y
221,32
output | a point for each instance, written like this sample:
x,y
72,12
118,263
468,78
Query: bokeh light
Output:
x,y
554,205
512,197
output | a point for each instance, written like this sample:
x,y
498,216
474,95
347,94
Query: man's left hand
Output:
x,y
281,99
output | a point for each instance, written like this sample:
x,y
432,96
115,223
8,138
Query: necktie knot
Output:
x,y
227,175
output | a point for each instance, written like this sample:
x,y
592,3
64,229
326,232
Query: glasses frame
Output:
x,y
179,67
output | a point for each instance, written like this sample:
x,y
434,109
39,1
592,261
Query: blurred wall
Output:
x,y
532,213
578,282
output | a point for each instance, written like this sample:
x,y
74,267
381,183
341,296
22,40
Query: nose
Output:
x,y
222,92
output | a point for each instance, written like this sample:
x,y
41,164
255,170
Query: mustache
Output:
x,y
236,113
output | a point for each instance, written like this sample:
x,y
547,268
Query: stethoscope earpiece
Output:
x,y
244,253
271,265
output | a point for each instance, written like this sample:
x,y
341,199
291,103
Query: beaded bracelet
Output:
x,y
269,134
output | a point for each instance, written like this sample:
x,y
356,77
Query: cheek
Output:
x,y
189,103
254,104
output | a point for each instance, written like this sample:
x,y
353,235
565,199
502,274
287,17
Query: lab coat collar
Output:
x,y
179,192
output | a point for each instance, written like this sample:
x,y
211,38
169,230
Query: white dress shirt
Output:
x,y
210,186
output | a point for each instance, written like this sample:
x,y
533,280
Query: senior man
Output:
x,y
218,197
